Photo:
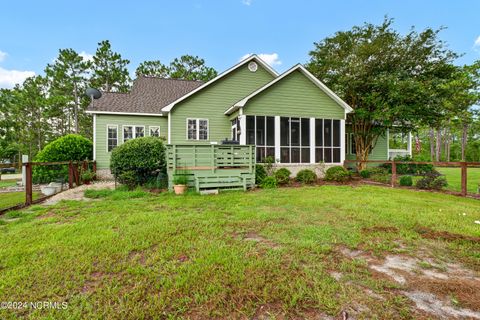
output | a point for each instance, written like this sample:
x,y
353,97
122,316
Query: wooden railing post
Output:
x,y
70,175
464,178
28,183
394,173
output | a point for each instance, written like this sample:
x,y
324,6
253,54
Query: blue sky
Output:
x,y
221,32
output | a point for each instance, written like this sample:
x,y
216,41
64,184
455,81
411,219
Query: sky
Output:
x,y
221,32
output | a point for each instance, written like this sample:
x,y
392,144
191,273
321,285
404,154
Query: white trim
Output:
x,y
169,107
169,130
94,137
197,120
150,132
388,144
243,129
342,141
107,127
126,113
277,138
409,143
312,141
310,76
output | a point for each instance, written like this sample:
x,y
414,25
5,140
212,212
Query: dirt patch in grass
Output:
x,y
93,282
380,229
255,237
428,233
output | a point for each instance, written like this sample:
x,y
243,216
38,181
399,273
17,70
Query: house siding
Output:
x,y
102,120
294,96
212,101
379,152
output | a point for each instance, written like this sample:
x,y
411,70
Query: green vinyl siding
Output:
x,y
102,120
212,101
379,152
294,96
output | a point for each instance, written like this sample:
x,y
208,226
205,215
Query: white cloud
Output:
x,y
247,2
3,55
86,56
270,58
9,78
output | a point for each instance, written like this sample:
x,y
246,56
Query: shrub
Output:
x,y
406,181
365,173
180,179
382,178
407,168
260,173
88,175
139,160
269,182
306,176
268,163
377,170
432,182
337,173
72,147
283,176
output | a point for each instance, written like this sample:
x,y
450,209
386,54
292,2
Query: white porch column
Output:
x,y
277,138
95,137
409,143
312,140
243,129
342,141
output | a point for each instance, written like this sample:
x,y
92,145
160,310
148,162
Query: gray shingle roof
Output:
x,y
148,95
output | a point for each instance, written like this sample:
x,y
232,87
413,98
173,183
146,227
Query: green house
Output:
x,y
291,116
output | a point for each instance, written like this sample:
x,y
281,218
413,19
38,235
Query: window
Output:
x,y
261,132
154,131
112,137
236,129
130,132
294,140
327,140
197,129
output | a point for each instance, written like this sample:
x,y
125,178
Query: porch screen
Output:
x,y
260,131
294,140
327,140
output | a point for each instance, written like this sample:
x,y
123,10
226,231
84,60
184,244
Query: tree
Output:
x,y
110,71
68,80
153,68
191,68
388,79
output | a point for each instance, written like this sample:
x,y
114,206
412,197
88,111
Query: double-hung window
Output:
x,y
130,132
327,140
112,137
260,131
294,140
197,129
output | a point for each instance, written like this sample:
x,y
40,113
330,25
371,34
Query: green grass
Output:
x,y
139,255
11,199
454,178
7,183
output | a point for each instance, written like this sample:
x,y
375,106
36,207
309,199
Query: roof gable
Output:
x,y
222,75
241,103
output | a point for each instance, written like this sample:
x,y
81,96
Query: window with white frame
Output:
x,y
236,129
154,131
327,140
294,140
197,129
112,137
130,132
260,131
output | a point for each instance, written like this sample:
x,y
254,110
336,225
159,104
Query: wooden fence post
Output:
x,y
464,178
28,183
394,174
70,175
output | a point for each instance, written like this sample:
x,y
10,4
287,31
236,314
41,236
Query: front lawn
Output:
x,y
454,178
7,183
307,252
11,199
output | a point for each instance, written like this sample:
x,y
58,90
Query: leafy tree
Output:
x,y
191,68
68,80
109,69
153,68
388,79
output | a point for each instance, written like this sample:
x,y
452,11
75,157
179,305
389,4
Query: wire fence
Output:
x,y
39,181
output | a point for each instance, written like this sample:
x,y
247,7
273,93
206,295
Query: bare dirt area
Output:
x,y
78,192
443,290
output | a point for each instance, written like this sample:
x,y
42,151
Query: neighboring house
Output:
x,y
292,116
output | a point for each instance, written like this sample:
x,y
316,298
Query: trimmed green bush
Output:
x,y
365,173
306,176
338,174
72,147
432,182
139,160
260,173
406,181
269,182
283,176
